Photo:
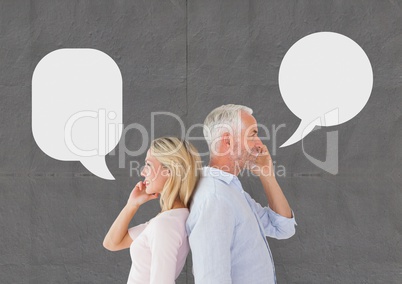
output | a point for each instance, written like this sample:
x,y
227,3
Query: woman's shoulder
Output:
x,y
171,217
171,221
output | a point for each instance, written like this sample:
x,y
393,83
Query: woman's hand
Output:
x,y
139,196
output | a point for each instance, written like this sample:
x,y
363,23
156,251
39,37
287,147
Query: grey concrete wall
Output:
x,y
188,57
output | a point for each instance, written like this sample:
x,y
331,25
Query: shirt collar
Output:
x,y
219,174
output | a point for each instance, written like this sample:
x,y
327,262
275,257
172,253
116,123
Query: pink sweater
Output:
x,y
159,248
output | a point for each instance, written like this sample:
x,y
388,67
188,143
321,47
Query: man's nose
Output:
x,y
258,142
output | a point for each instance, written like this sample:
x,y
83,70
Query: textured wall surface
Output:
x,y
187,57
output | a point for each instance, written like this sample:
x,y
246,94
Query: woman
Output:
x,y
159,247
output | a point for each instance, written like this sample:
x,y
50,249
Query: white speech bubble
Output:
x,y
322,74
77,108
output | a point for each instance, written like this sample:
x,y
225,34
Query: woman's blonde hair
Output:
x,y
183,161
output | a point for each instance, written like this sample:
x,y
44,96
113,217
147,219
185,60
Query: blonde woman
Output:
x,y
159,248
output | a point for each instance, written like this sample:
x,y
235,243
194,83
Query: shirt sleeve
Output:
x,y
164,242
275,225
134,232
210,237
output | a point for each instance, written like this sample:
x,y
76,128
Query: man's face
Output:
x,y
247,144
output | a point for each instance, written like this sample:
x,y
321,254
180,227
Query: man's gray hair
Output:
x,y
223,119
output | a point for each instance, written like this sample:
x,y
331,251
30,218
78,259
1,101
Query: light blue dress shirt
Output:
x,y
227,232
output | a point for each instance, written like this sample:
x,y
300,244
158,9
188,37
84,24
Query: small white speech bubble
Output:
x,y
325,79
77,99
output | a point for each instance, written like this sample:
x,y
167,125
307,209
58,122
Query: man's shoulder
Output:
x,y
209,190
210,187
205,190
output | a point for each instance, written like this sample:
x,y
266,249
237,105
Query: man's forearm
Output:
x,y
276,199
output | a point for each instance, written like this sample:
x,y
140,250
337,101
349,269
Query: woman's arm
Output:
x,y
118,237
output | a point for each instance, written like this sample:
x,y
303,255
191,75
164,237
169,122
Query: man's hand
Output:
x,y
261,165
264,168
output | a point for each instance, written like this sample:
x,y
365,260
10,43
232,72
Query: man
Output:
x,y
227,229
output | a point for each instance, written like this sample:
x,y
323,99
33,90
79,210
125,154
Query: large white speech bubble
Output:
x,y
77,110
321,75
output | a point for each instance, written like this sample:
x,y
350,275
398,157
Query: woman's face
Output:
x,y
155,174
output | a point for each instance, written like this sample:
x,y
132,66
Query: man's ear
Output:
x,y
226,139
